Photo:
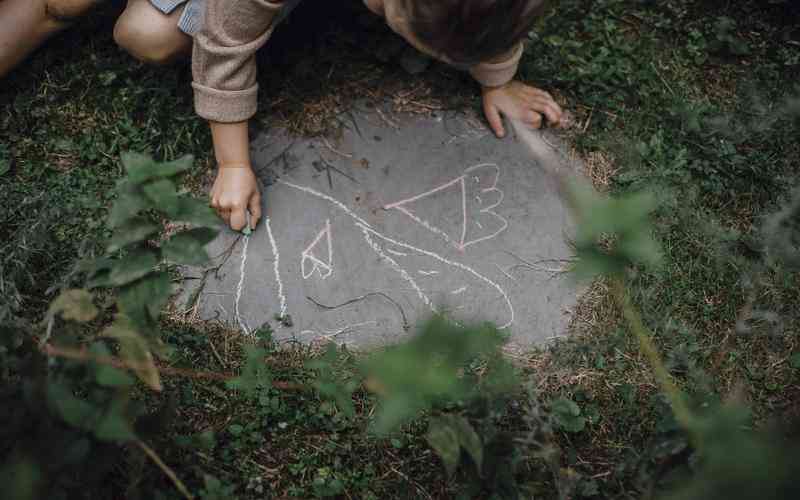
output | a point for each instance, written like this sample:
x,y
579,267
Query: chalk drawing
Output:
x,y
427,273
276,265
459,238
378,243
459,291
240,287
325,268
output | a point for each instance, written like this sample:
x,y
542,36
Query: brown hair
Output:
x,y
472,31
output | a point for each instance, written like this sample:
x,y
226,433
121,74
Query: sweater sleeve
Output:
x,y
496,73
223,57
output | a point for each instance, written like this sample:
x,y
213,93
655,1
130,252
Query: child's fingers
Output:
x,y
495,121
533,118
549,108
238,219
255,210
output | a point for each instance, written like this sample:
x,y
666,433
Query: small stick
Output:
x,y
328,145
152,455
332,167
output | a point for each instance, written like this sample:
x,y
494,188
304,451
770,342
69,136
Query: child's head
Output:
x,y
473,31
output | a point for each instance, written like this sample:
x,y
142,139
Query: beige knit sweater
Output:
x,y
223,60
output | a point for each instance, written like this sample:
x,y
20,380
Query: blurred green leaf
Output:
x,y
449,428
137,264
143,300
142,168
412,376
134,230
623,221
75,305
130,201
163,194
196,212
134,351
444,440
73,410
188,247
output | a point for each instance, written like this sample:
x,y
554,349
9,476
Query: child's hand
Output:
x,y
518,101
234,192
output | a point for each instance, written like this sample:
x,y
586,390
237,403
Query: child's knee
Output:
x,y
149,38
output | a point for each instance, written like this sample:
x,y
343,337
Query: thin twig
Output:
x,y
83,355
338,171
406,325
152,455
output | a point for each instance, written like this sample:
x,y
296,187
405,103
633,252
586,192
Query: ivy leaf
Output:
x,y
75,305
444,440
195,212
567,414
142,168
134,351
134,266
132,231
142,301
163,194
188,247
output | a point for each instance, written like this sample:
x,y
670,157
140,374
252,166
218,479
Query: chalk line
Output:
x,y
396,267
427,273
276,264
395,252
452,264
366,228
463,243
325,268
240,287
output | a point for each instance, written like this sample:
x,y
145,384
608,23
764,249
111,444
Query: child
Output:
x,y
482,36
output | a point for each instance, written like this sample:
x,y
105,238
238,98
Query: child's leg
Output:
x,y
26,24
150,35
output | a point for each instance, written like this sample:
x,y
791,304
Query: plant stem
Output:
x,y
682,413
152,455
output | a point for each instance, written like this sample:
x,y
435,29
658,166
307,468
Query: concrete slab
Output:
x,y
368,234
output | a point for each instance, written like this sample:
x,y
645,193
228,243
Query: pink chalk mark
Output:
x,y
461,182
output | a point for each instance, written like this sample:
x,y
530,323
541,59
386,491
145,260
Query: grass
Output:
x,y
667,96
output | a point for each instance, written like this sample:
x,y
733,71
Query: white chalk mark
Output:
x,y
240,287
276,265
425,299
460,182
367,229
325,268
459,291
427,273
444,261
395,252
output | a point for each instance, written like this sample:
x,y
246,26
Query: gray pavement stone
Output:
x,y
368,234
